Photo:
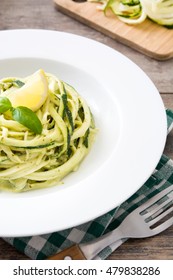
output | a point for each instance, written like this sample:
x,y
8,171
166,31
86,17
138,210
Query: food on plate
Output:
x,y
136,11
46,130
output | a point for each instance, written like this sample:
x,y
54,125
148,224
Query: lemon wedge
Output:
x,y
33,94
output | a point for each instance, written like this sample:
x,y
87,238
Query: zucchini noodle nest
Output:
x,y
30,161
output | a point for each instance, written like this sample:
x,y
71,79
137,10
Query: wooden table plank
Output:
x,y
42,14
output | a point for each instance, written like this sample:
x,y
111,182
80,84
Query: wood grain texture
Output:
x,y
148,37
71,253
42,14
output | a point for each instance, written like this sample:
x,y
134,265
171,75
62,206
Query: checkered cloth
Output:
x,y
40,247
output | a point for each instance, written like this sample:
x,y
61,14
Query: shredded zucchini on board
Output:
x,y
136,11
31,161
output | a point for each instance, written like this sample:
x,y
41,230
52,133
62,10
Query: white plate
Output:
x,y
128,111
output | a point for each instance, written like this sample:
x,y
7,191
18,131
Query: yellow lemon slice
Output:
x,y
33,94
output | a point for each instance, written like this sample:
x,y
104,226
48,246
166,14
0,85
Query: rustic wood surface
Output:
x,y
42,14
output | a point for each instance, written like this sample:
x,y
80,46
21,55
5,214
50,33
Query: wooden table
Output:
x,y
42,14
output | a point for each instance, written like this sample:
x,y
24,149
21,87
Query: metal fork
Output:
x,y
151,218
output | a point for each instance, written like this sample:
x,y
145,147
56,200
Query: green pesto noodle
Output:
x,y
29,161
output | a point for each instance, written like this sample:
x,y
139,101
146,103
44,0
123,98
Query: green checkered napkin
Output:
x,y
40,247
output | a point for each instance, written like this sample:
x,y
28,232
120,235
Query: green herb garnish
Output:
x,y
28,118
22,115
5,104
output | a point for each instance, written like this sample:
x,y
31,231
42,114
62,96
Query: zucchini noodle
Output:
x,y
136,11
30,161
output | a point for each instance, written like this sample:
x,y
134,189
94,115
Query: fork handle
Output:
x,y
71,253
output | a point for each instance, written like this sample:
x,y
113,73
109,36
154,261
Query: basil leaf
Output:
x,y
28,118
5,104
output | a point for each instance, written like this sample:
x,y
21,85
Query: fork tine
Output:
x,y
154,199
158,218
163,226
158,207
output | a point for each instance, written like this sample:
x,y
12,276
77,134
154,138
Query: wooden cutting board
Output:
x,y
149,38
